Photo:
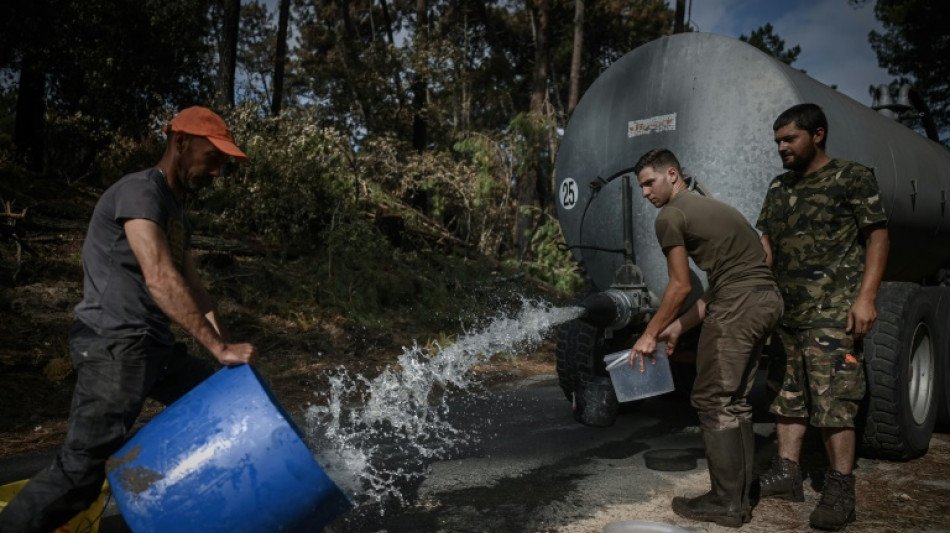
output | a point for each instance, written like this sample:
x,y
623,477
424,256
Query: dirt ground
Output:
x,y
891,497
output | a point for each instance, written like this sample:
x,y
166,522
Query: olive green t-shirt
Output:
x,y
814,223
718,239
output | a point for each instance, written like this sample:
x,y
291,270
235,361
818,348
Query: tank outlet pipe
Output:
x,y
615,308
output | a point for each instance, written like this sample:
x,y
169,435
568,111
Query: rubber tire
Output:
x,y
576,342
581,348
888,428
940,298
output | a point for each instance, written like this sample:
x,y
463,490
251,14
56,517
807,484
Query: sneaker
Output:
x,y
783,480
836,507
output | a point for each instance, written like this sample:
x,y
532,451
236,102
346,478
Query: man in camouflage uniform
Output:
x,y
823,228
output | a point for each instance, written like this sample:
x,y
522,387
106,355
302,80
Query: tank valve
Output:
x,y
616,307
612,309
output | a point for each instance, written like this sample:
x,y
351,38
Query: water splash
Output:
x,y
371,436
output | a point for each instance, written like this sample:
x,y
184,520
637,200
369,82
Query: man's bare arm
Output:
x,y
173,295
678,289
767,246
685,322
204,300
863,313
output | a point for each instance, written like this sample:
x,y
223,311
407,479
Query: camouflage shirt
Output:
x,y
814,223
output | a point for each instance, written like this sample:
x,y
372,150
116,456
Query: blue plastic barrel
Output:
x,y
224,457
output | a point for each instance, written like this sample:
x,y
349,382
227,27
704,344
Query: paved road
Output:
x,y
536,469
527,471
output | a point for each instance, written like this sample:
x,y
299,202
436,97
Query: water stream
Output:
x,y
373,435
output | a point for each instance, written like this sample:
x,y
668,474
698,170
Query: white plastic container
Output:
x,y
630,384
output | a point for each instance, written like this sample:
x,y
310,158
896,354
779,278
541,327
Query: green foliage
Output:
x,y
612,29
115,62
529,138
296,184
346,68
307,192
765,39
7,105
492,174
122,154
915,46
89,69
364,274
552,262
368,65
255,54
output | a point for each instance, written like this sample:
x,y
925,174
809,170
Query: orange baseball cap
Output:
x,y
206,123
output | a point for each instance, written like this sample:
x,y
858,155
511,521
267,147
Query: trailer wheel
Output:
x,y
574,351
580,352
900,360
583,380
940,297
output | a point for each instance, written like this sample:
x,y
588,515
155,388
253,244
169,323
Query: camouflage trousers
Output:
x,y
817,374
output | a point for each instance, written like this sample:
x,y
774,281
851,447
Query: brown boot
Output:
x,y
783,480
724,503
836,507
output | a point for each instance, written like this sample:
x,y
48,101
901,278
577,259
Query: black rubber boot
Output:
x,y
836,507
723,504
783,480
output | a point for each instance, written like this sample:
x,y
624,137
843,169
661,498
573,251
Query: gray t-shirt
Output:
x,y
718,238
116,302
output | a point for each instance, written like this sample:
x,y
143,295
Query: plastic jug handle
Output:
x,y
616,362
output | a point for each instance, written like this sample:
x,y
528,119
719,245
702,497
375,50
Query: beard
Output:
x,y
798,162
794,164
196,183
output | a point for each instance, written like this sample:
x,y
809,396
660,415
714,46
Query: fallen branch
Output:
x,y
8,211
217,244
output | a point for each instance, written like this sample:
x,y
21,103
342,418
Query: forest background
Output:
x,y
400,182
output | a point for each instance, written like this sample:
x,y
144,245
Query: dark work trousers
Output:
x,y
114,377
738,321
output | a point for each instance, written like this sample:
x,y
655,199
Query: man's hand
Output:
x,y
671,335
678,289
861,318
643,348
862,314
236,354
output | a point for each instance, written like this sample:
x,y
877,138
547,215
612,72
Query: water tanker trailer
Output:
x,y
712,101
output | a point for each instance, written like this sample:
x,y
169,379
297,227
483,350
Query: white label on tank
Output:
x,y
568,193
646,126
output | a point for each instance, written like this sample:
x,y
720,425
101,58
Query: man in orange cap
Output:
x,y
139,277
